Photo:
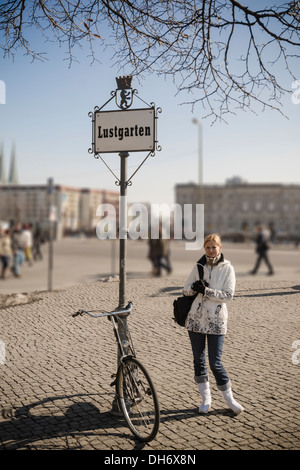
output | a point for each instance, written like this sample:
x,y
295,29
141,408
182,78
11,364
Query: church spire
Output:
x,y
13,174
2,167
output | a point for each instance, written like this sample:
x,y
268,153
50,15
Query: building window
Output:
x,y
258,205
272,206
245,205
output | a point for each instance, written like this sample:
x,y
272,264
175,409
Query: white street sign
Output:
x,y
124,131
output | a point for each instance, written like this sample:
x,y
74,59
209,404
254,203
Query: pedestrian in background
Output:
x,y
17,248
159,254
1,237
6,252
27,241
37,241
207,320
262,246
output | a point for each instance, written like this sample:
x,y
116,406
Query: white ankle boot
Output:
x,y
206,397
231,402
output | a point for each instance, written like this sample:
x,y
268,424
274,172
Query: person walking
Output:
x,y
262,247
17,247
37,241
207,320
26,240
6,252
159,254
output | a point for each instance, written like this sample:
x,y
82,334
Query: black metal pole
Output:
x,y
122,321
123,229
50,248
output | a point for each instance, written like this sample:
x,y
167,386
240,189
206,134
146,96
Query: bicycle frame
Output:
x,y
111,316
136,397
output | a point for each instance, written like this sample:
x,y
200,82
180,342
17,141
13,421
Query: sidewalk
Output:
x,y
56,374
77,261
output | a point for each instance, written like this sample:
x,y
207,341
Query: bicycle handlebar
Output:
x,y
120,311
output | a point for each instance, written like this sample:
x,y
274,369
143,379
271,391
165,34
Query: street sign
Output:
x,y
124,131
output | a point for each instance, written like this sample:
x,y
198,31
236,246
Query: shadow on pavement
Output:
x,y
268,294
23,428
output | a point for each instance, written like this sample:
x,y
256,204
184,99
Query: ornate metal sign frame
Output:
x,y
124,96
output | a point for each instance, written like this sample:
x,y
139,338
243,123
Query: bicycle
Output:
x,y
135,392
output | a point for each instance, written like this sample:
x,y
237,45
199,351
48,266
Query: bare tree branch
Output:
x,y
223,53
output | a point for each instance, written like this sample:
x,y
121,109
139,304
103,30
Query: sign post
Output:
x,y
123,131
123,229
51,217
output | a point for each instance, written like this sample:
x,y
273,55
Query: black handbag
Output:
x,y
182,305
181,308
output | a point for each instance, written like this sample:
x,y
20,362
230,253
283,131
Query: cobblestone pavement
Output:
x,y
56,372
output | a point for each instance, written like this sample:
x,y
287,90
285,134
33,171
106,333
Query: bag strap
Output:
x,y
200,264
200,270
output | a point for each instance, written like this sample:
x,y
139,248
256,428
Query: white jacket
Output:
x,y
26,239
209,313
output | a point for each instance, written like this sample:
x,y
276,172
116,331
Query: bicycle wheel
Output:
x,y
137,399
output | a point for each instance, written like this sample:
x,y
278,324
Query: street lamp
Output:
x,y
200,159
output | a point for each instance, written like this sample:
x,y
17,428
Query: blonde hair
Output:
x,y
213,236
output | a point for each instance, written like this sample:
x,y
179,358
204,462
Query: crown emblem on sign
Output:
x,y
124,82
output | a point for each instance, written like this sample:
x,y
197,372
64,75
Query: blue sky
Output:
x,y
46,115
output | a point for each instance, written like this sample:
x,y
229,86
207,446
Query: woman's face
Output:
x,y
212,249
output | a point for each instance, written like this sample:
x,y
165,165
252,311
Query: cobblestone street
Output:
x,y
55,380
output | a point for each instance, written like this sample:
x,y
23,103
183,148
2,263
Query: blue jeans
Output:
x,y
214,348
17,262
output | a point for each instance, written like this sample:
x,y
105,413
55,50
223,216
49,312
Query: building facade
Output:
x,y
71,209
238,207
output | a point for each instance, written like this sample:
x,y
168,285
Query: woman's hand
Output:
x,y
199,286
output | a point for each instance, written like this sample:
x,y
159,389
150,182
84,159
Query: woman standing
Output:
x,y
207,320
